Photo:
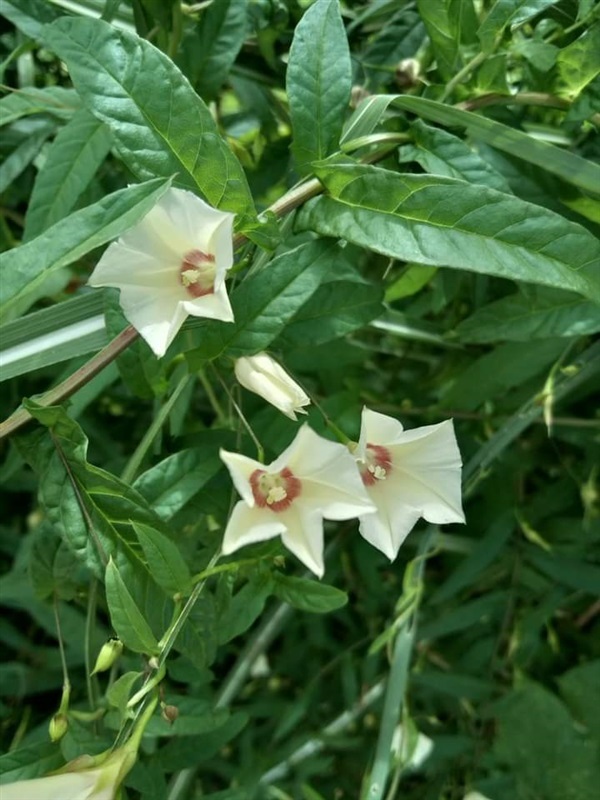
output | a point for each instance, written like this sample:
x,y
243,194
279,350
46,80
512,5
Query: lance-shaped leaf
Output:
x,y
71,162
23,269
427,219
127,619
508,13
318,82
160,125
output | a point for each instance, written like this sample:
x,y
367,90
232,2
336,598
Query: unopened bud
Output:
x,y
408,73
169,713
263,376
109,653
58,726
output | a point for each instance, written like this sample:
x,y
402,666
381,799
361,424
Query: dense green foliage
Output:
x,y
416,187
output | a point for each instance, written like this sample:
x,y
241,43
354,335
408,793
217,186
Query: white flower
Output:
x,y
411,751
171,264
263,376
97,782
408,475
311,480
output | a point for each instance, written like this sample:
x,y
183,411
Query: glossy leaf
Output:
x,y
23,269
128,621
165,562
570,167
165,133
442,222
442,153
308,595
442,20
22,156
71,162
508,13
318,83
30,16
538,314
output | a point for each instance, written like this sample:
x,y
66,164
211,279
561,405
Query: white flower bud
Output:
x,y
263,376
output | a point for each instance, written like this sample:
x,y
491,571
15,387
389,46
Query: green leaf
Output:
x,y
508,13
245,607
71,162
572,572
579,62
162,133
52,565
581,689
308,595
442,153
336,309
412,280
119,692
560,764
442,21
210,50
54,100
318,83
22,156
127,619
30,762
90,508
366,117
442,222
504,368
165,562
30,16
263,304
568,166
540,313
26,267
169,485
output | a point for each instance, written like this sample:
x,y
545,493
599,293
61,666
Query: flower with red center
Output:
x,y
171,264
408,475
312,480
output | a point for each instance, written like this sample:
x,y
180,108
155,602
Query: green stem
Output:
x,y
140,451
462,73
212,398
90,680
260,452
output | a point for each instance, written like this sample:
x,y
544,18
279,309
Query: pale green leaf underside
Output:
x,y
438,221
161,126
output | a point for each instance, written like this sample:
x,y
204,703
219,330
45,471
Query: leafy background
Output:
x,y
444,264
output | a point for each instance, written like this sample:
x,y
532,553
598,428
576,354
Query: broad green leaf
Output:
x,y
162,133
580,687
245,607
442,153
90,508
579,62
561,764
165,562
442,222
263,304
442,21
508,13
568,166
53,566
30,16
23,269
22,156
169,485
127,619
538,314
336,309
71,162
54,100
209,50
495,373
308,595
318,83
412,280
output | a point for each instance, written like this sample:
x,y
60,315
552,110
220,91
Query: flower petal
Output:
x,y
249,525
68,786
157,317
388,528
122,266
426,472
241,468
211,306
199,222
304,537
377,429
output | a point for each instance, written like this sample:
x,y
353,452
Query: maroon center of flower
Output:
x,y
275,490
197,273
376,466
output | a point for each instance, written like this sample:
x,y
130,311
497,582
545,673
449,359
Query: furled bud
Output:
x,y
58,726
109,653
263,376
